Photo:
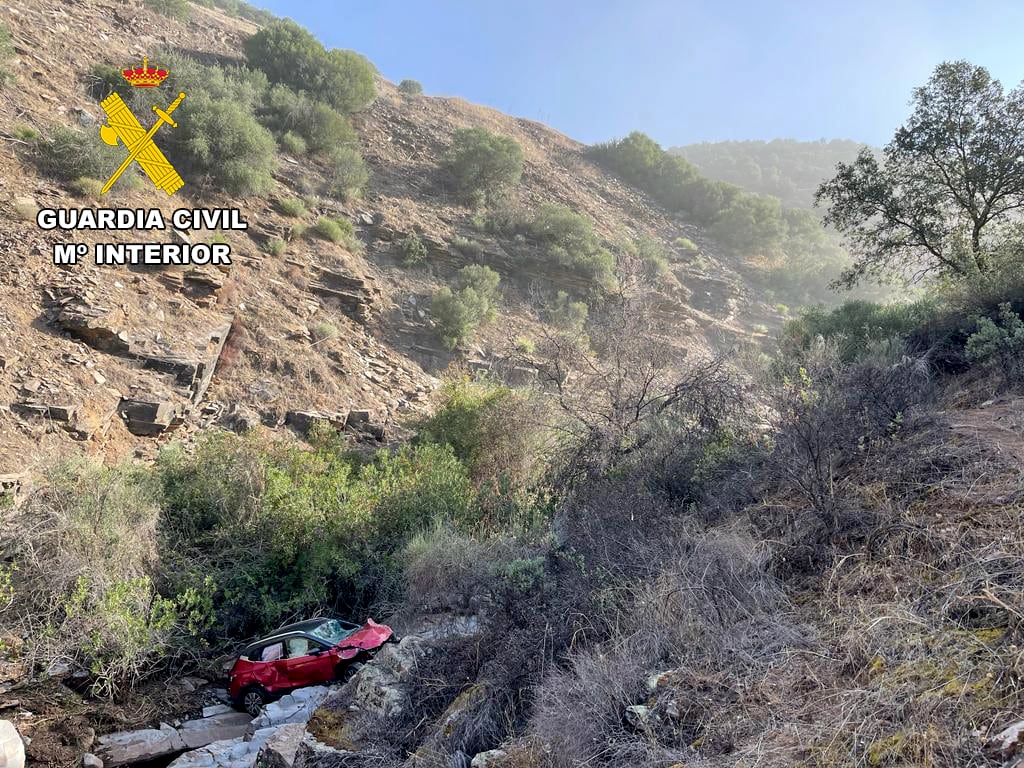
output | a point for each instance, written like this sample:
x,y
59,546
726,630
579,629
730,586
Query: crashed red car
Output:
x,y
306,653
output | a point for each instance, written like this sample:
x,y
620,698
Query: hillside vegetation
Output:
x,y
783,168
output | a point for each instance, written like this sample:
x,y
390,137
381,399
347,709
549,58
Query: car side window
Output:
x,y
272,652
298,646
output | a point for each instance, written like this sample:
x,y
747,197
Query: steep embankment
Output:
x,y
116,360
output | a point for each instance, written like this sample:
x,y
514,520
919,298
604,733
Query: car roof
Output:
x,y
299,626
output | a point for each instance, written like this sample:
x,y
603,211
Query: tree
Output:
x,y
289,54
944,194
483,164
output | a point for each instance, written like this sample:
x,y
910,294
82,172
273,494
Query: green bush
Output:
x,y
483,164
999,345
468,248
567,314
460,313
413,250
346,173
652,255
686,244
290,55
321,127
292,143
568,239
292,206
275,246
83,579
324,332
335,230
218,136
280,531
225,142
855,326
410,87
488,427
176,9
105,79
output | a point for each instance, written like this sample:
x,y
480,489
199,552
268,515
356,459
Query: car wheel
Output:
x,y
253,700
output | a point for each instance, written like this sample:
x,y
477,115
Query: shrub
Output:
x,y
319,125
567,314
489,428
6,54
686,245
290,55
84,592
569,240
26,210
1000,344
410,87
69,154
346,173
413,250
292,206
105,79
469,248
293,144
483,164
526,345
652,256
225,142
854,326
335,230
324,332
176,9
275,246
458,314
218,137
87,187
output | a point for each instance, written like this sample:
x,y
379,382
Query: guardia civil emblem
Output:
x,y
124,128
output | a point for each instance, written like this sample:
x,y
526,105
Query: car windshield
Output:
x,y
332,631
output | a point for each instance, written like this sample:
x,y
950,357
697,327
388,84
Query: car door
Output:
x,y
307,662
268,668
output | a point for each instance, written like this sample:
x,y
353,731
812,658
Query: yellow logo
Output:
x,y
124,127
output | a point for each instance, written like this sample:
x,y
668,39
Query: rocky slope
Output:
x,y
114,361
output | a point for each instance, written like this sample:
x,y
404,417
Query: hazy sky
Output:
x,y
680,71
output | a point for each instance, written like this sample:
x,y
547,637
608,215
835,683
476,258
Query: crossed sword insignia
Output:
x,y
141,147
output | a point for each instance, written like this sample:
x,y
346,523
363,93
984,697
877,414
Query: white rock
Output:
x,y
12,748
486,759
89,760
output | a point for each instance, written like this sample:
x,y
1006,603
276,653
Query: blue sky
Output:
x,y
680,71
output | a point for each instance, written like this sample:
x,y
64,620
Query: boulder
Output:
x,y
89,760
296,707
12,748
488,759
133,746
279,750
220,727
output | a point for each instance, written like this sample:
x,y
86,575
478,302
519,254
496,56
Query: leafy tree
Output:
x,y
289,54
483,164
410,87
947,187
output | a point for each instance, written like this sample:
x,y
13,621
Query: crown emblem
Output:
x,y
144,76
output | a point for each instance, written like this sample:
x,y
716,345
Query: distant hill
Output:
x,y
787,169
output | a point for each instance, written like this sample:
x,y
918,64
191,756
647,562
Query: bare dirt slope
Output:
x,y
114,360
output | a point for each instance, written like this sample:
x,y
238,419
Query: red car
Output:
x,y
307,653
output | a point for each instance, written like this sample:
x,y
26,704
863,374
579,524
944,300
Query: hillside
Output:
x,y
71,388
783,168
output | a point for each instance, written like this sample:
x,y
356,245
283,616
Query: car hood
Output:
x,y
370,635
